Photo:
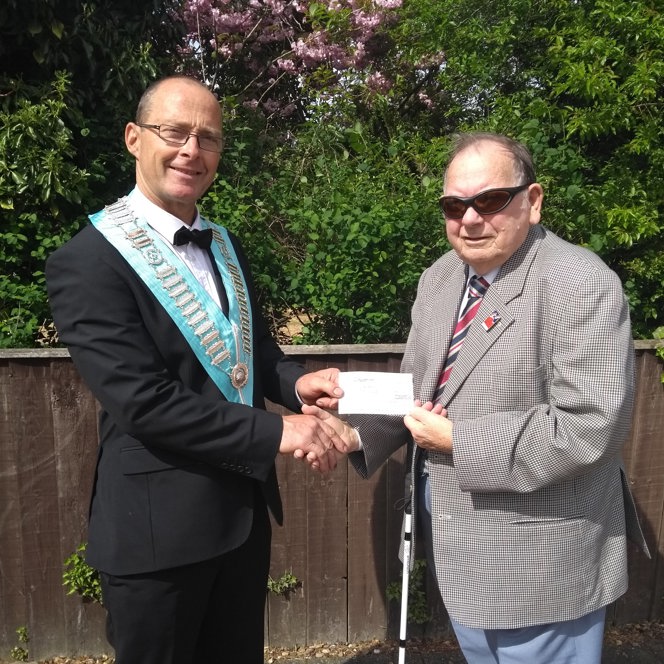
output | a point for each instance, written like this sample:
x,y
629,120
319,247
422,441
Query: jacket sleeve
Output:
x,y
381,436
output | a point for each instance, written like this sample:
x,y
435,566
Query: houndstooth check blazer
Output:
x,y
530,513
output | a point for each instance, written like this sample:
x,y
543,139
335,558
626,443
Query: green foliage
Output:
x,y
40,186
70,78
659,334
616,120
78,577
286,584
338,227
336,205
339,218
418,609
360,230
581,84
20,653
109,52
81,579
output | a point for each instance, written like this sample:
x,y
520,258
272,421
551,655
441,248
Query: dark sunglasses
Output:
x,y
486,202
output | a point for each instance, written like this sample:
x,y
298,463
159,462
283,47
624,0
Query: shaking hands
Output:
x,y
316,435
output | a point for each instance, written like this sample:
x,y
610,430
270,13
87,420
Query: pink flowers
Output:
x,y
377,82
280,43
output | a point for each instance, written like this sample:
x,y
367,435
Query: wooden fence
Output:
x,y
340,538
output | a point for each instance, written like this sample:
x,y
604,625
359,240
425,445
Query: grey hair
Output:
x,y
524,166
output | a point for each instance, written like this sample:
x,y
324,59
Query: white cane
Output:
x,y
404,584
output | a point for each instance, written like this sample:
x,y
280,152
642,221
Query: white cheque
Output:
x,y
376,393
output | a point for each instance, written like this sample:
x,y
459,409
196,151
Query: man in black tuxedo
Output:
x,y
157,308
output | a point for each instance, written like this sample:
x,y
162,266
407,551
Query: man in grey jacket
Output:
x,y
522,361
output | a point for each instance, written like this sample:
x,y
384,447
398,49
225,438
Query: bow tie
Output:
x,y
184,235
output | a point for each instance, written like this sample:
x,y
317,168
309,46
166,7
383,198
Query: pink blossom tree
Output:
x,y
276,56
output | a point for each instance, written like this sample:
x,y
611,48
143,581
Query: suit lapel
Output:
x,y
447,292
507,286
478,340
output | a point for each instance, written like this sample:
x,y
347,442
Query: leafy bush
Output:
x,y
286,584
332,187
40,185
70,78
418,609
79,578
338,227
20,653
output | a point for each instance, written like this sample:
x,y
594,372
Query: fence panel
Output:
x,y
341,533
644,462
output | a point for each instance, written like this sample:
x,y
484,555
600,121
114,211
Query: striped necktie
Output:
x,y
476,290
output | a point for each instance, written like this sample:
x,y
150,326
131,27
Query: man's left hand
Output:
x,y
430,428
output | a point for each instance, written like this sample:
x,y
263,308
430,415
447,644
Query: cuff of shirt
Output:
x,y
360,447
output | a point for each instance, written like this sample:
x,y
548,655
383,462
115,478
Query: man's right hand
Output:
x,y
307,436
347,433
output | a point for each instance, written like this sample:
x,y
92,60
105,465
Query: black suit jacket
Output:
x,y
178,463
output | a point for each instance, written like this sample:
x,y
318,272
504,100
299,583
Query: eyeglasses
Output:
x,y
489,201
177,136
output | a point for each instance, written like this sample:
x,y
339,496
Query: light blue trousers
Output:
x,y
571,642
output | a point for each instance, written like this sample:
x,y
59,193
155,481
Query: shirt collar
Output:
x,y
161,221
488,277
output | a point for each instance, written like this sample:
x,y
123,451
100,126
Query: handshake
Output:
x,y
316,435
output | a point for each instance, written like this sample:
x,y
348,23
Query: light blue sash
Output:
x,y
222,347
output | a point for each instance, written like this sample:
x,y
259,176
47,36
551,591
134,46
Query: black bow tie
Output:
x,y
184,235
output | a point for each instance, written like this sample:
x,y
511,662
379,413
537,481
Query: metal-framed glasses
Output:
x,y
178,136
488,201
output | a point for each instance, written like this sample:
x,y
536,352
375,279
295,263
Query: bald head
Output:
x,y
165,86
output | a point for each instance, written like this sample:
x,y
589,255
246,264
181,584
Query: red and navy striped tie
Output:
x,y
476,290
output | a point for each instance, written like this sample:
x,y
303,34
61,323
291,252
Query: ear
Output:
x,y
535,198
133,138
